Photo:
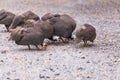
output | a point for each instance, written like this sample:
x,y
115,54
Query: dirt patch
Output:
x,y
65,61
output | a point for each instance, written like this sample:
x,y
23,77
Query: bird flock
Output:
x,y
29,29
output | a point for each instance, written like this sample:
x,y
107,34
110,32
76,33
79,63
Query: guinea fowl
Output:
x,y
6,18
86,33
27,36
2,14
20,20
45,27
32,35
63,25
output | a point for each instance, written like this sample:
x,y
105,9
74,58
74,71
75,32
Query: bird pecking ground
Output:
x,y
65,61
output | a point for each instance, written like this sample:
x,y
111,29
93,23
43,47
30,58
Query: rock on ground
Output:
x,y
65,61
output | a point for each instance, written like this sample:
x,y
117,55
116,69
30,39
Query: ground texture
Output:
x,y
65,61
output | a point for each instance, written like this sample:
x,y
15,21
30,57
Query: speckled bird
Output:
x,y
63,24
86,33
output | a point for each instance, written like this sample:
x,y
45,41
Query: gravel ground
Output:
x,y
65,61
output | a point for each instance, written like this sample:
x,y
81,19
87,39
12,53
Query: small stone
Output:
x,y
50,54
82,57
16,79
47,77
37,59
8,73
14,71
1,61
57,74
88,76
8,78
79,52
88,62
59,79
81,68
40,76
51,69
4,51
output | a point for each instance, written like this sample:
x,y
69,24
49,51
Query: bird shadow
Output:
x,y
60,44
32,49
86,46
56,44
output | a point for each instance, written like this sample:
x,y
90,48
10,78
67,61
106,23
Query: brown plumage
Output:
x,y
47,16
45,27
30,15
63,25
27,36
2,14
20,20
86,33
6,18
32,35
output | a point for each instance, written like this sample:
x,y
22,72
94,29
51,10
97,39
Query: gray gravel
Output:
x,y
65,61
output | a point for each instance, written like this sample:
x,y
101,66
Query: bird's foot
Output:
x,y
59,41
65,40
43,46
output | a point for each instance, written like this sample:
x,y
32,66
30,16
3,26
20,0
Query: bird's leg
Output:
x,y
7,28
66,40
62,40
70,37
43,47
37,46
59,40
10,38
85,43
29,47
